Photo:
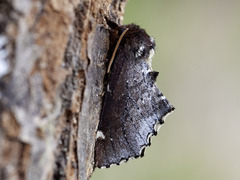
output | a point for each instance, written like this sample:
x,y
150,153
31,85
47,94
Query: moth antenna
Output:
x,y
115,50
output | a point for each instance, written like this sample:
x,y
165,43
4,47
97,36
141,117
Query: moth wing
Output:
x,y
133,106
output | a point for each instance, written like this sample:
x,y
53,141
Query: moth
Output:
x,y
133,107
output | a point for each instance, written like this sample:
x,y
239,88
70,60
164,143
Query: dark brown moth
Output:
x,y
133,107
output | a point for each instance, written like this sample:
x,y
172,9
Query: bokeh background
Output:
x,y
198,57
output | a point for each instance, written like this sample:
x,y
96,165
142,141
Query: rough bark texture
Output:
x,y
52,65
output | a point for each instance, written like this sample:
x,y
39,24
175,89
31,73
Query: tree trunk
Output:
x,y
52,65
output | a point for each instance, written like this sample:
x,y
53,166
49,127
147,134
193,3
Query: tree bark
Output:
x,y
53,56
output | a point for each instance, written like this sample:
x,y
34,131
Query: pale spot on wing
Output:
x,y
100,135
149,60
152,39
162,97
140,51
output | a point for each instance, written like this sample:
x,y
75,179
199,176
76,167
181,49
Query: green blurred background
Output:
x,y
198,57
